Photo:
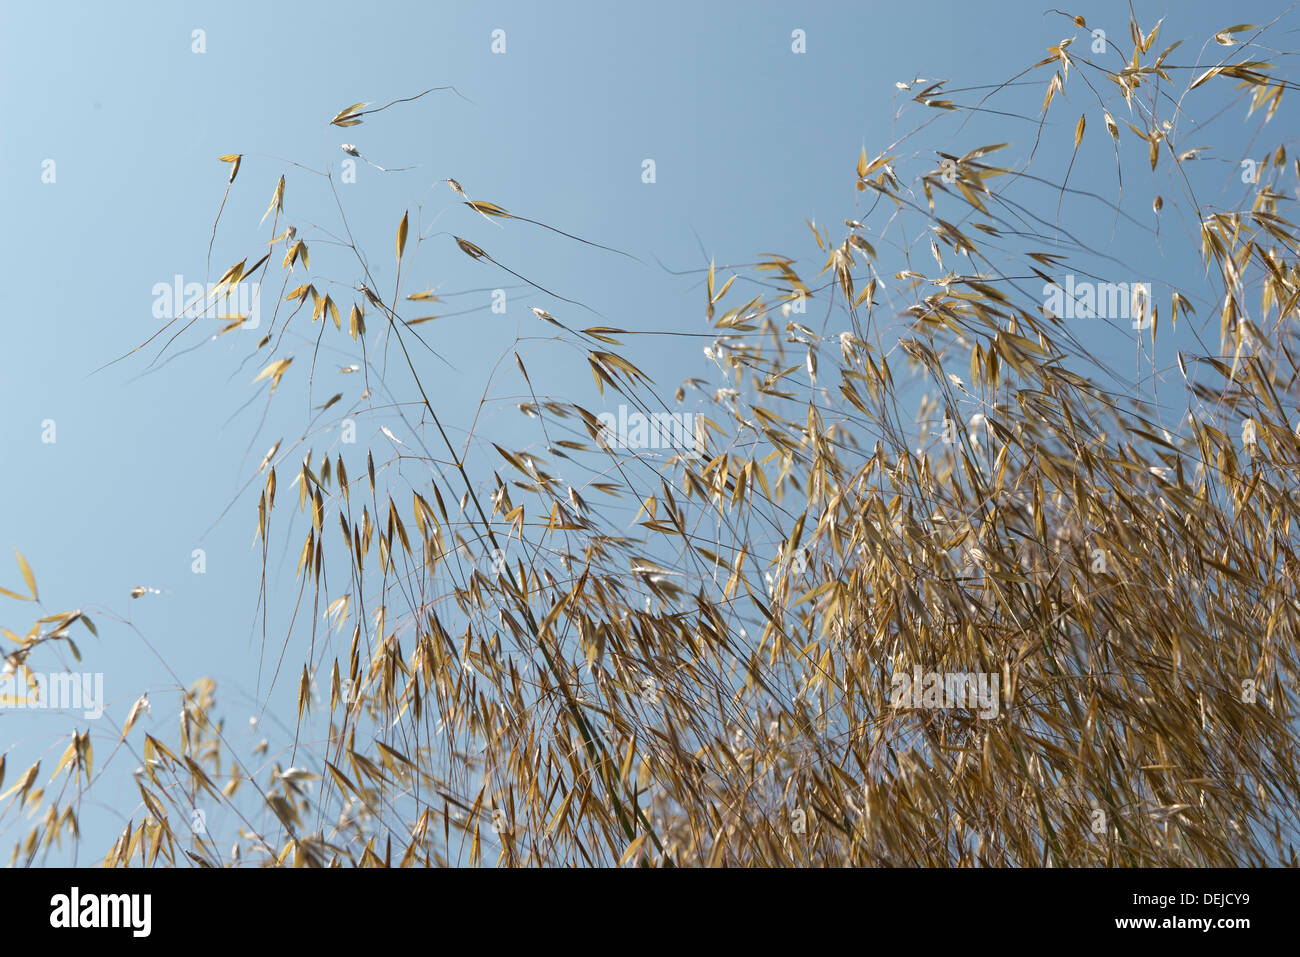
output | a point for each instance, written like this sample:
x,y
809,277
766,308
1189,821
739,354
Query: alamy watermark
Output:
x,y
57,691
75,909
669,431
974,691
178,298
1100,300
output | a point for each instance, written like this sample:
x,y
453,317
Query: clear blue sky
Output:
x,y
748,140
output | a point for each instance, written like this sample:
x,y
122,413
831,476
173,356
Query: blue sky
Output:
x,y
748,138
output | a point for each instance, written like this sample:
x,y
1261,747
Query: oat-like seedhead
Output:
x,y
915,578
